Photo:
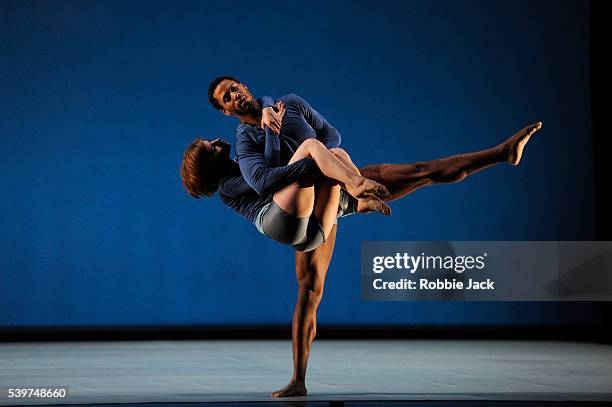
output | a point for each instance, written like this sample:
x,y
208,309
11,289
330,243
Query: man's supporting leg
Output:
x,y
402,179
311,268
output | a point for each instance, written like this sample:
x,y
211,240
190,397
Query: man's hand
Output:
x,y
272,118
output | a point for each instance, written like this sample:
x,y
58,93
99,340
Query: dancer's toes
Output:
x,y
516,144
366,187
373,204
382,192
291,390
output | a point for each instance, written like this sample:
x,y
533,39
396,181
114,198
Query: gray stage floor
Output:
x,y
230,371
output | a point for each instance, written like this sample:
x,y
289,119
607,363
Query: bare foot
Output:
x,y
366,187
514,146
291,390
373,204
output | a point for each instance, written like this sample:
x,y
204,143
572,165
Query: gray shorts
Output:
x,y
303,234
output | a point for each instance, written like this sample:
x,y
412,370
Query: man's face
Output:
x,y
234,98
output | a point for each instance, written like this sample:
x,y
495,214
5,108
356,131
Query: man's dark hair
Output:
x,y
211,89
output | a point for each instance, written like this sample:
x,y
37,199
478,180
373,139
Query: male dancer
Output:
x,y
259,152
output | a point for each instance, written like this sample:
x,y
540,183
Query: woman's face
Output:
x,y
218,148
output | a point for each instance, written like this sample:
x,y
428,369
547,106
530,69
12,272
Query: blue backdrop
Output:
x,y
98,100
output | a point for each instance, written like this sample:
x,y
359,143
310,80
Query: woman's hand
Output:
x,y
272,118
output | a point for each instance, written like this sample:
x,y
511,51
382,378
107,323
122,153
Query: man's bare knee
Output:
x,y
311,295
315,296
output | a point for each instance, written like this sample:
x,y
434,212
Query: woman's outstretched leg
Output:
x,y
402,179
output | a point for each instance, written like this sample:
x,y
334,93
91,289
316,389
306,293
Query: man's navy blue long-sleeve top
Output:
x,y
260,153
262,156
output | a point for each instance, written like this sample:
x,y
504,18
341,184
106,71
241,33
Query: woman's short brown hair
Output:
x,y
197,170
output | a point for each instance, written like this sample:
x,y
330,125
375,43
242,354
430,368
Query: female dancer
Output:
x,y
299,204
